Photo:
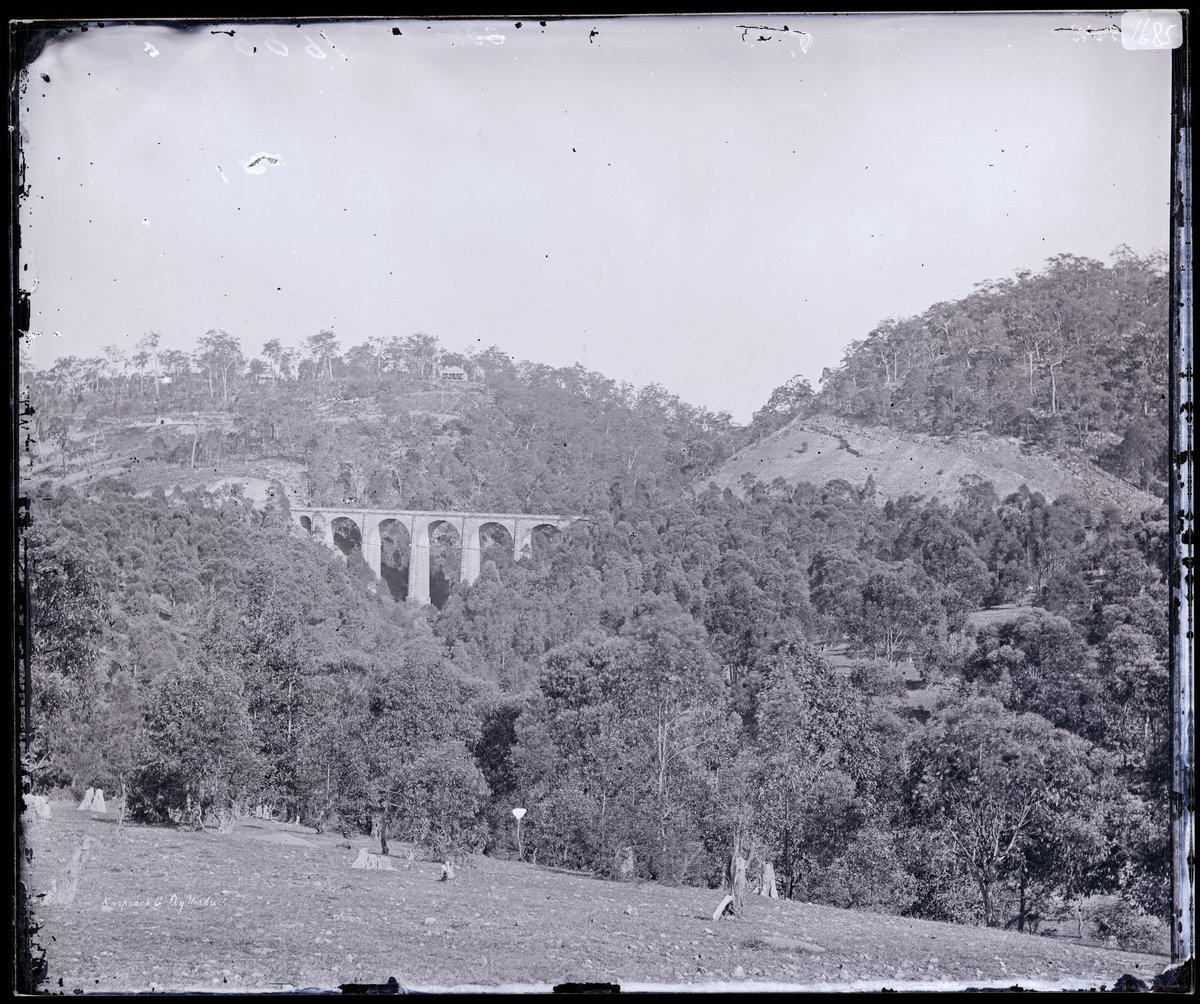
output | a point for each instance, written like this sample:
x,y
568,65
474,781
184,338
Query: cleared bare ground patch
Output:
x,y
276,905
825,448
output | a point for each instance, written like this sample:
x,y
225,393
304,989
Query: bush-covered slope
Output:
x,y
1074,357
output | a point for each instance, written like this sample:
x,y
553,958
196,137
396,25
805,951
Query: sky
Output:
x,y
677,200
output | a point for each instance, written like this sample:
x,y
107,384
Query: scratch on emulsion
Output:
x,y
259,163
803,38
335,48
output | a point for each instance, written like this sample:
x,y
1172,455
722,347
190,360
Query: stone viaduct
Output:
x,y
318,522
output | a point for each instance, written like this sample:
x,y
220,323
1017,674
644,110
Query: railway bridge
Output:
x,y
318,521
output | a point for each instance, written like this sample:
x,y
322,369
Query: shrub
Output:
x,y
869,875
197,753
447,806
877,678
1112,920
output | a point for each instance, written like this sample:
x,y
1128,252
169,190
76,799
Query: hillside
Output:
x,y
636,683
823,448
530,439
290,913
152,447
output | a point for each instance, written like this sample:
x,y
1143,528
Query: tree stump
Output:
x,y
122,808
225,818
38,806
738,905
623,864
372,862
767,886
65,889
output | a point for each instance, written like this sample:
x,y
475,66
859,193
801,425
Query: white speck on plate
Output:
x,y
151,50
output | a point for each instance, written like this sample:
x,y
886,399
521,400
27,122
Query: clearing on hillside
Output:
x,y
824,448
274,906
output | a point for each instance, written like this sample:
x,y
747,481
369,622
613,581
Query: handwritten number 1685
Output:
x,y
1151,31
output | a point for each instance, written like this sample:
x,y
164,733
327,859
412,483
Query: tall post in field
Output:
x,y
519,814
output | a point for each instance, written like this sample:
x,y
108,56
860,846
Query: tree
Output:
x,y
673,699
420,353
896,611
148,345
448,799
1039,664
988,781
1135,690
784,404
323,347
117,364
812,750
415,713
197,753
178,367
573,748
272,351
219,355
65,596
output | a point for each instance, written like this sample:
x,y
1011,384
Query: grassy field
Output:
x,y
1004,614
273,906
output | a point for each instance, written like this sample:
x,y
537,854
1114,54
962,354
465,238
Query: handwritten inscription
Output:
x,y
1143,30
249,45
174,902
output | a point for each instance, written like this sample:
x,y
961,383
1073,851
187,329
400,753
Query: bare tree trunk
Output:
x,y
739,885
985,892
122,810
1021,904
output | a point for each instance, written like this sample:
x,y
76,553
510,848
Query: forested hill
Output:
x,y
1071,361
372,426
1069,364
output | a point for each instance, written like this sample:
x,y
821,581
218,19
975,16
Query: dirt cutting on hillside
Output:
x,y
825,448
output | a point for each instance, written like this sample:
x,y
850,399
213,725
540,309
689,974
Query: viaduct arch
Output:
x,y
420,527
